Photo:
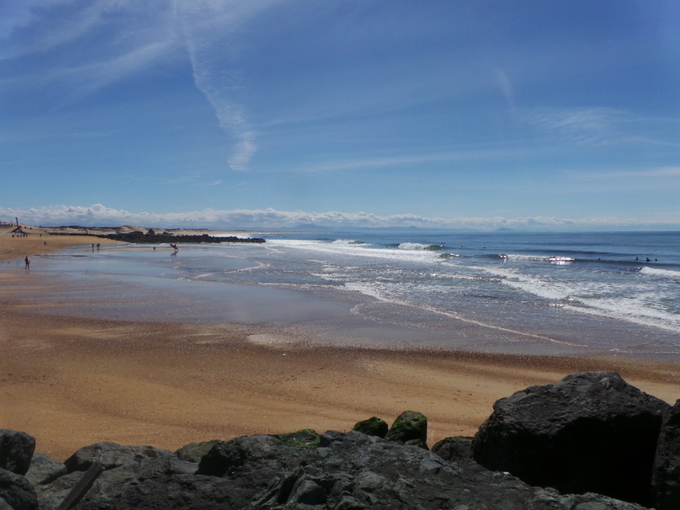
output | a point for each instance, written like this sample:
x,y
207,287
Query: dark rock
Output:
x,y
666,478
44,469
176,492
193,452
306,438
356,471
123,465
16,492
165,466
410,427
16,450
248,452
107,487
590,432
256,462
164,237
52,494
111,455
373,427
349,471
454,448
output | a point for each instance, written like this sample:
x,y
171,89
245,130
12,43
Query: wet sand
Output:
x,y
74,381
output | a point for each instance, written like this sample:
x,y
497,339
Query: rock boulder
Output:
x,y
454,448
44,469
410,428
193,452
111,455
666,479
590,432
374,426
346,471
16,450
16,492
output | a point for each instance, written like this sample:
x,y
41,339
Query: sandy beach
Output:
x,y
34,244
74,381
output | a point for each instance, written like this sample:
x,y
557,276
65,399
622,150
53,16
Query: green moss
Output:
x,y
374,426
409,426
306,438
416,442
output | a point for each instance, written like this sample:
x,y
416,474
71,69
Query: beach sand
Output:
x,y
73,381
35,244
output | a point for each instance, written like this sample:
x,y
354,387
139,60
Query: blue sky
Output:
x,y
270,113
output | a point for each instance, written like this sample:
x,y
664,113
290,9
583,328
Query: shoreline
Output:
x,y
73,381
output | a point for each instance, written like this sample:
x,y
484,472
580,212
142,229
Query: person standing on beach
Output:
x,y
28,262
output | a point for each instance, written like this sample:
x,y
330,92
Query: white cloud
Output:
x,y
484,153
668,171
99,215
210,29
49,24
136,39
90,77
591,126
136,35
657,178
598,126
24,14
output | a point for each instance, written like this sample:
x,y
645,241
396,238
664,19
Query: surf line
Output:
x,y
472,321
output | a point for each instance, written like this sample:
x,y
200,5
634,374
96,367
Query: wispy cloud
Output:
x,y
99,215
91,77
28,14
653,172
596,126
210,28
136,39
483,153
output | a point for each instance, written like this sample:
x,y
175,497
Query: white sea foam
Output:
x,y
664,273
455,276
382,293
561,260
635,303
419,246
350,248
595,297
555,259
348,242
634,311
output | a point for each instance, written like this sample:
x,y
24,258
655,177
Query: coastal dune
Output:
x,y
75,381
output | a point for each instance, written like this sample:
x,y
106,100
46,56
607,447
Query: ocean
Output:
x,y
528,293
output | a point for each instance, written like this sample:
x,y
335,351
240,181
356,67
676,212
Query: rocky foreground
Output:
x,y
589,442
